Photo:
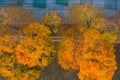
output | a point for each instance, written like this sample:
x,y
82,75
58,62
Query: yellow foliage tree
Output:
x,y
92,54
36,49
16,17
52,20
24,57
89,49
88,16
97,59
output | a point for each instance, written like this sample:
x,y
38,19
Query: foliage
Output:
x,y
52,20
92,54
88,16
97,59
9,30
16,17
36,49
25,57
88,49
66,57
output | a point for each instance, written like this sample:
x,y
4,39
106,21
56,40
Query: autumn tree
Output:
x,y
7,58
92,54
16,17
52,20
87,15
25,57
89,49
36,49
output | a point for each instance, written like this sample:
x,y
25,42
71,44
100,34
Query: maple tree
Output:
x,y
52,20
25,57
88,49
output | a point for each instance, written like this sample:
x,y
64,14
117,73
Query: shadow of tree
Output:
x,y
116,75
55,72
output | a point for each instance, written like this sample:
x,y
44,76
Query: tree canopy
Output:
x,y
88,49
24,56
16,17
52,20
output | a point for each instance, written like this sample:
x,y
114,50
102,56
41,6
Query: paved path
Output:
x,y
56,38
55,72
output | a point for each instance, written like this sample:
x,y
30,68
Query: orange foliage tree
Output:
x,y
89,49
36,49
23,57
92,54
